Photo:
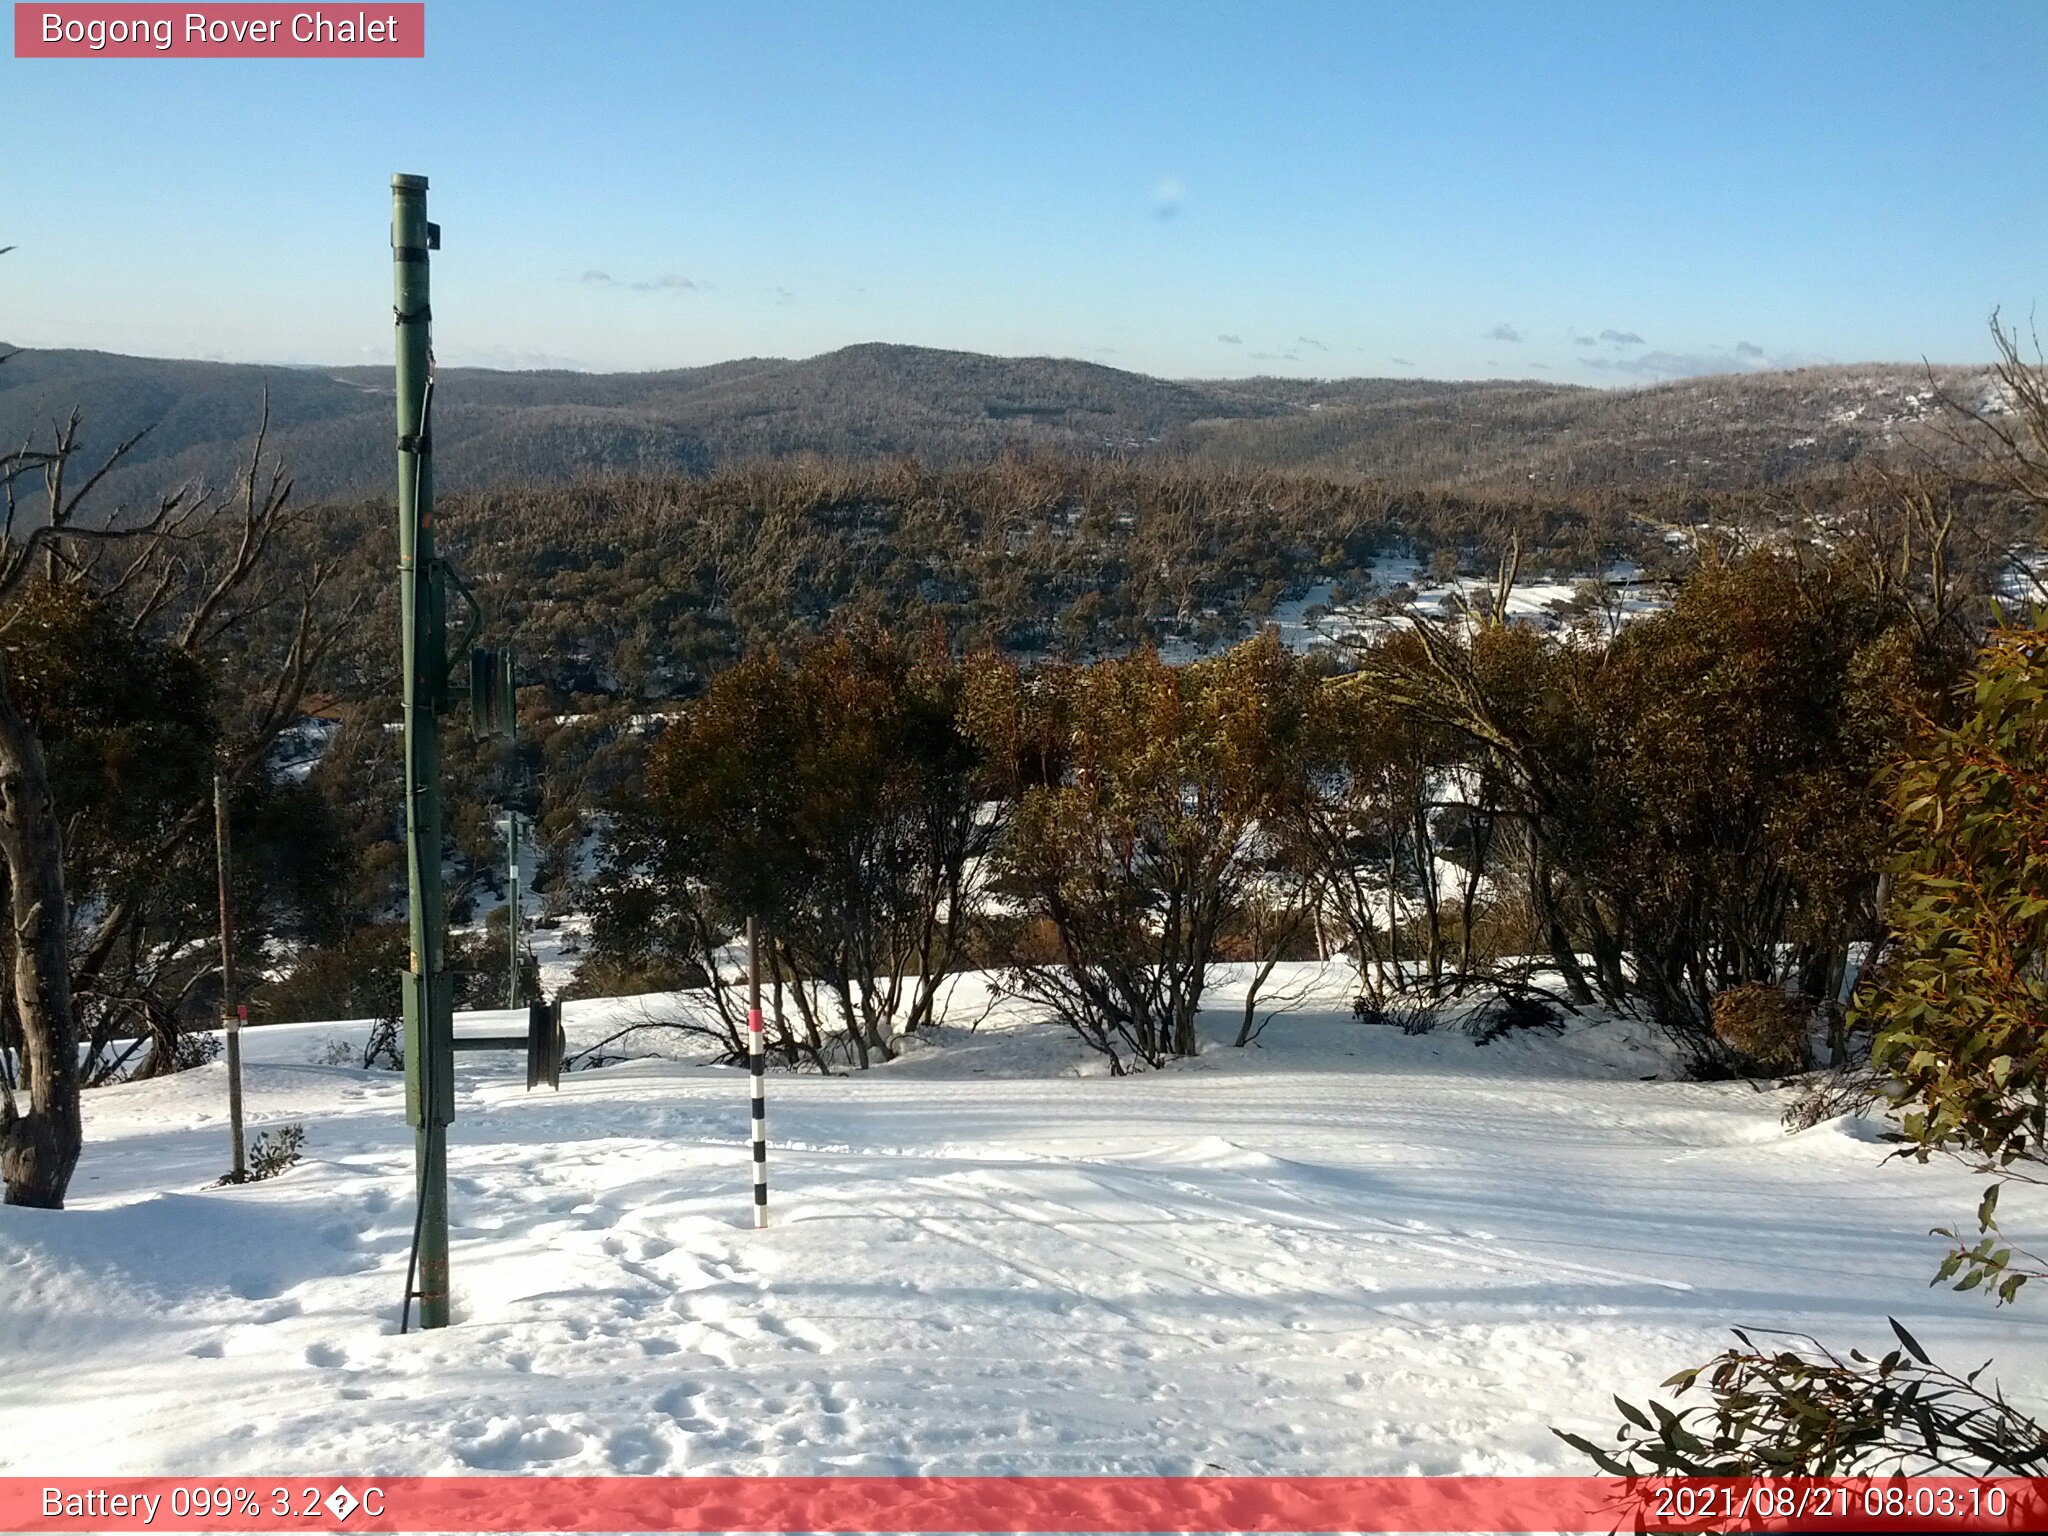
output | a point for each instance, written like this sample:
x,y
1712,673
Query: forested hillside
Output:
x,y
255,627
1727,431
868,403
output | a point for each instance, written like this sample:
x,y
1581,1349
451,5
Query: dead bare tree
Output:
x,y
204,595
185,575
40,1143
2015,428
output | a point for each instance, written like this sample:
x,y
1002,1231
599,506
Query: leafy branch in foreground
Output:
x,y
1958,1006
1811,1413
1989,1260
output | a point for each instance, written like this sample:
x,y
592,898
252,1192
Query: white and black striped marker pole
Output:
x,y
757,1063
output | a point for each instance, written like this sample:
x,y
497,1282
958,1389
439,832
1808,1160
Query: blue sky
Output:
x,y
1595,193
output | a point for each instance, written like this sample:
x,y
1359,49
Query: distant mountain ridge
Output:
x,y
334,426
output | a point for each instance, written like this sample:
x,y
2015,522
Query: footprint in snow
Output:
x,y
507,1445
635,1452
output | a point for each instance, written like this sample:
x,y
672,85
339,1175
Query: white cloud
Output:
x,y
668,282
1685,365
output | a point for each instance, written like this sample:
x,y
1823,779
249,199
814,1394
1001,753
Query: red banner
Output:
x,y
1049,1504
371,30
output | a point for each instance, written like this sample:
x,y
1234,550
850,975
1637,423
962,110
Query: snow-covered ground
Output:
x,y
1401,592
1311,622
1344,1251
300,746
557,948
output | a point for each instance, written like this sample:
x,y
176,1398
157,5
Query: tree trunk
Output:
x,y
1180,1035
1432,896
1245,1031
39,1146
1543,903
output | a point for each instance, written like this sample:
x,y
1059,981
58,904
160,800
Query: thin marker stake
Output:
x,y
231,1015
512,909
757,1064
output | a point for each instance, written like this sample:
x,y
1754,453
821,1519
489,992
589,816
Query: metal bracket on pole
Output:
x,y
546,1043
447,576
492,698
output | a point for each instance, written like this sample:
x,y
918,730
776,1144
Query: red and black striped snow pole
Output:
x,y
757,1065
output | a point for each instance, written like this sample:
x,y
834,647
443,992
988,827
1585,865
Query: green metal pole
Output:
x,y
430,1053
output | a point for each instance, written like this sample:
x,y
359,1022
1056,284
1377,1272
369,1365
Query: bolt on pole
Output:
x,y
430,1019
757,1066
231,1014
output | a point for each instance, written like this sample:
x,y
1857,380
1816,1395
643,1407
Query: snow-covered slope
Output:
x,y
1344,1251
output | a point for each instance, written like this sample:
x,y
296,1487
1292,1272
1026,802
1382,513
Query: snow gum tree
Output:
x,y
39,1142
1379,783
830,793
1144,796
1958,1002
1700,800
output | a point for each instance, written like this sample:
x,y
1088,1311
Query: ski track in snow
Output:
x,y
1347,1251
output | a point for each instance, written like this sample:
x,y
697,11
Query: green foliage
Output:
x,y
194,1050
1810,1413
1370,825
1734,805
478,962
357,976
1960,1005
1957,1005
621,592
275,1150
1987,1260
294,863
271,1153
648,924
